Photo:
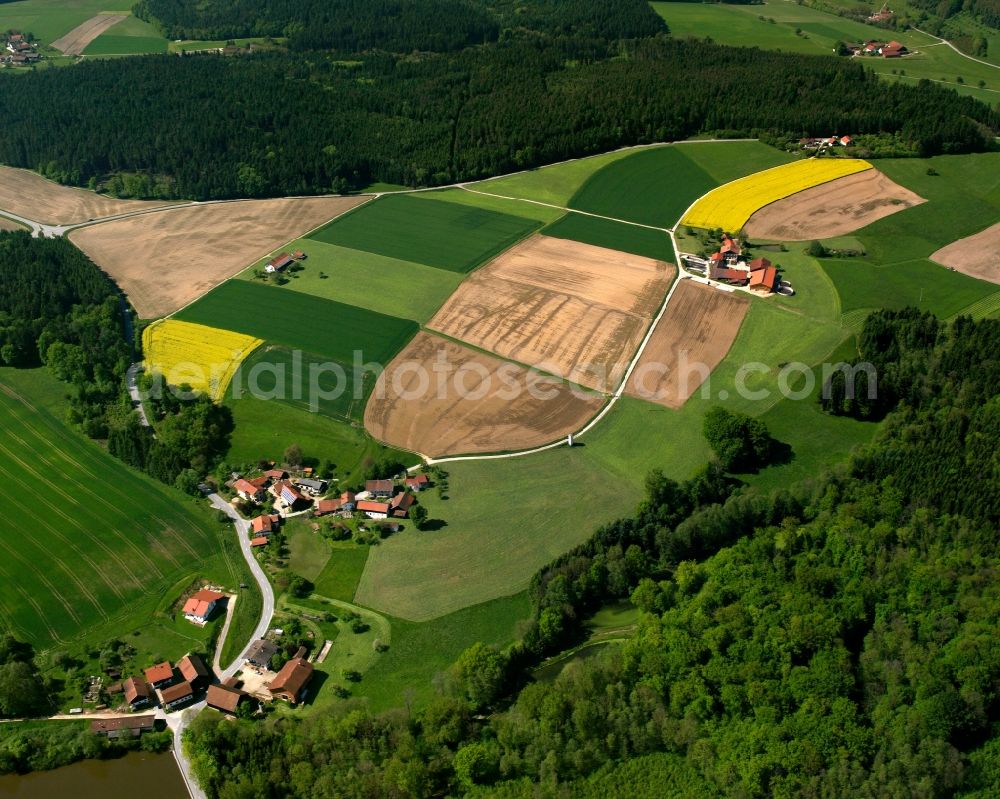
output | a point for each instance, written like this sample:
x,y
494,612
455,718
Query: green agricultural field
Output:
x,y
50,19
327,328
504,205
265,428
309,383
554,184
613,235
751,26
728,160
93,549
191,45
446,235
342,573
651,187
920,283
131,36
385,285
405,674
308,551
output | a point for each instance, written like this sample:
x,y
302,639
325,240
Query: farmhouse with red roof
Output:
x,y
200,605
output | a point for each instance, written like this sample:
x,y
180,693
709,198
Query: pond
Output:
x,y
137,773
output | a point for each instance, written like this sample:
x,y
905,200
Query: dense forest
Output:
x,y
833,639
71,321
319,121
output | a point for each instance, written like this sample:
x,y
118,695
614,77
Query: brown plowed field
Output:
x,y
164,260
832,209
568,308
76,41
439,398
698,328
974,255
30,195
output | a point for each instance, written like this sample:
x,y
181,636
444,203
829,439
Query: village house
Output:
x,y
260,653
418,483
194,670
249,491
312,486
287,492
347,500
265,525
137,692
379,488
176,695
276,474
401,504
259,541
292,680
279,262
225,699
327,506
200,605
123,726
374,510
160,675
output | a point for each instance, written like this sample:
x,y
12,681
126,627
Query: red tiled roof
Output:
x,y
159,673
175,692
246,487
764,277
262,524
419,480
192,667
222,698
276,474
284,259
347,496
198,604
135,688
292,678
402,502
328,506
759,263
260,541
374,507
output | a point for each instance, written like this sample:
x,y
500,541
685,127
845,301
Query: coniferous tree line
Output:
x,y
835,638
209,127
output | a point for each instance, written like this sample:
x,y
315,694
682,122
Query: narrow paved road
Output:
x,y
133,391
964,55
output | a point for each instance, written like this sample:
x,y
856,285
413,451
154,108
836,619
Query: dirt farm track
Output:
x,y
164,260
699,327
832,209
974,255
568,308
493,406
76,41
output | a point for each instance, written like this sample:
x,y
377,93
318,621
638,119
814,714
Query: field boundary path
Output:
x,y
953,47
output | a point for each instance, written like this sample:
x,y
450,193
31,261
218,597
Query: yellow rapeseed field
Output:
x,y
203,357
730,206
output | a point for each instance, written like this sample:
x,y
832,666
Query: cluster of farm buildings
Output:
x,y
730,266
381,500
874,47
19,51
283,260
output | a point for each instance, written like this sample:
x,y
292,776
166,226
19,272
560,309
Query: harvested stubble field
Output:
x,y
76,41
9,224
568,308
832,209
698,328
730,206
204,358
440,398
165,260
30,195
974,255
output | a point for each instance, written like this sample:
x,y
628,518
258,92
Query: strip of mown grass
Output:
x,y
652,187
325,327
500,204
613,235
729,160
403,289
339,578
446,235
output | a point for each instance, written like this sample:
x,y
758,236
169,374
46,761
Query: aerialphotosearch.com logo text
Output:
x,y
443,377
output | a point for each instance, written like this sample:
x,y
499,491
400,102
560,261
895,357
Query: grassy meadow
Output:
x,y
613,235
363,279
325,327
445,235
510,206
131,36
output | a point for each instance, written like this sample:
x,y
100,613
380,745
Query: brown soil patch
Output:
x,y
572,309
165,260
832,209
76,41
698,328
30,195
440,398
974,255
10,224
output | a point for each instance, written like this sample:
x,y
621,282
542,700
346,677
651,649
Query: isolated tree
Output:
x,y
293,455
418,516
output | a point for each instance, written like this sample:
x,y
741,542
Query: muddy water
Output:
x,y
136,774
